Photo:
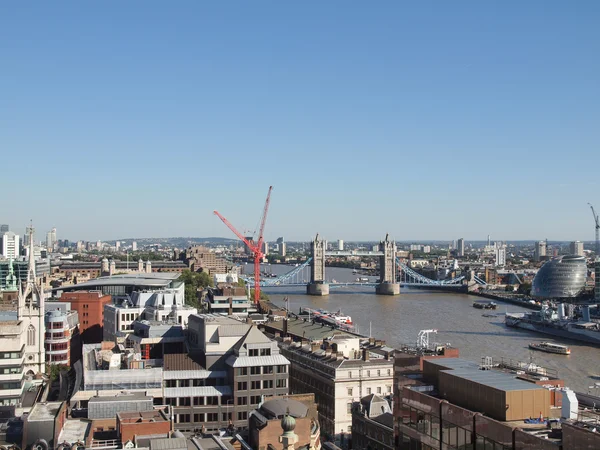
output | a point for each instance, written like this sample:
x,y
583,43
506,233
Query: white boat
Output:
x,y
550,347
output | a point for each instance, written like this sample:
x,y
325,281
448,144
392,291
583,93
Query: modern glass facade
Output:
x,y
562,277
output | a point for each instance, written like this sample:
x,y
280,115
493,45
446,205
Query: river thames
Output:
x,y
398,319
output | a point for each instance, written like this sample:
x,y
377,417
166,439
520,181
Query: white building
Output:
x,y
501,255
340,373
11,248
576,248
22,332
540,250
134,246
340,245
51,239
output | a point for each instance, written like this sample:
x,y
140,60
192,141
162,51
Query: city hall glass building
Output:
x,y
562,277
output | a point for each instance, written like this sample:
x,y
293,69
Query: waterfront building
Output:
x,y
90,308
11,248
22,331
373,423
265,427
461,247
576,248
62,341
539,252
562,277
340,372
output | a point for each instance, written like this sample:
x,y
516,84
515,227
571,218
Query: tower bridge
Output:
x,y
392,273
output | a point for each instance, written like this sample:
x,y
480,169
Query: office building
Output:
x,y
3,228
228,370
461,247
340,372
341,245
372,423
90,308
22,334
280,240
11,248
202,259
539,252
500,255
62,341
51,239
576,248
562,277
134,246
229,300
282,249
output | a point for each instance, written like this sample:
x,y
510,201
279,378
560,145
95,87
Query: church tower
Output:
x,y
30,313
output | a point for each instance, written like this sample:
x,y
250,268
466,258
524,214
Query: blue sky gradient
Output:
x,y
430,120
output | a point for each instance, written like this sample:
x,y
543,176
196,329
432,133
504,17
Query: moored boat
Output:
x,y
550,347
480,304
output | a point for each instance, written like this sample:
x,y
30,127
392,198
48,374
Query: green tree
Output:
x,y
194,282
525,288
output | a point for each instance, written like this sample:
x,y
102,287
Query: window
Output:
x,y
212,417
349,408
389,372
267,384
171,401
281,383
184,401
255,385
349,374
242,400
368,391
242,415
281,369
350,392
255,370
265,352
242,386
212,400
253,352
226,416
349,428
242,371
379,389
368,373
183,418
199,417
388,388
30,335
378,373
267,369
255,399
198,401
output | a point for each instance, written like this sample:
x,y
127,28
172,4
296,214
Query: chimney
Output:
x,y
371,341
284,333
314,346
365,354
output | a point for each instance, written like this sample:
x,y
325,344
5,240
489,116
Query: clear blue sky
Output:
x,y
430,120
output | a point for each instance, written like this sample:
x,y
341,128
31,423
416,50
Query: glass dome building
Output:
x,y
562,277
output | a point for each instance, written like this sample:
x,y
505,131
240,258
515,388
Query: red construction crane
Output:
x,y
255,247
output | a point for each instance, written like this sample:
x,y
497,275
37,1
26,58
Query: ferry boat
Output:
x,y
485,305
550,347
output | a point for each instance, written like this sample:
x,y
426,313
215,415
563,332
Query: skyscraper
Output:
x,y
461,247
576,248
341,245
540,250
489,240
3,228
51,239
501,255
10,245
134,246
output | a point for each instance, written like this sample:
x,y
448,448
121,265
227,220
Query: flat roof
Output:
x,y
145,416
43,412
122,398
155,279
308,330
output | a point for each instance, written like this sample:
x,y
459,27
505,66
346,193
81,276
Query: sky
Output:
x,y
425,120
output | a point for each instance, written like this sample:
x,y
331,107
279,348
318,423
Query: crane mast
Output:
x,y
255,247
597,224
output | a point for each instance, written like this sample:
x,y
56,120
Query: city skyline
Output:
x,y
425,122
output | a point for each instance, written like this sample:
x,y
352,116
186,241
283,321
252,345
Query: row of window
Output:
x,y
10,369
61,357
10,385
195,401
209,417
377,373
259,352
10,355
56,346
378,389
261,384
261,370
194,382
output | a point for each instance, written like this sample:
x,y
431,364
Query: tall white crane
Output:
x,y
597,221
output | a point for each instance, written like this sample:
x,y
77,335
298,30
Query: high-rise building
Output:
x,y
282,249
134,246
117,245
265,248
51,239
500,255
247,249
341,245
461,247
280,240
540,250
576,248
3,228
10,245
489,240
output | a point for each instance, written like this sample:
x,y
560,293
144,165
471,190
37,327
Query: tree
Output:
x,y
194,281
524,288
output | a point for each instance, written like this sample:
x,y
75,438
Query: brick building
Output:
x,y
90,307
142,423
201,259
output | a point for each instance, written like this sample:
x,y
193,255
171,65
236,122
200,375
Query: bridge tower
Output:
x,y
387,269
317,285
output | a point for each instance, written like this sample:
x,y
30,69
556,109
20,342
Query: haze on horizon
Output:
x,y
428,122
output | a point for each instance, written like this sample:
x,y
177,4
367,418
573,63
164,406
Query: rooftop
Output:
x,y
277,408
307,330
43,412
133,396
155,279
142,416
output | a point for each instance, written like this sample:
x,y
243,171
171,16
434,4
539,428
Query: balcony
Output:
x,y
11,377
12,361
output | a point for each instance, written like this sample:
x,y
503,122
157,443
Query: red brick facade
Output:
x,y
90,306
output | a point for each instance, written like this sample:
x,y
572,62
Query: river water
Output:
x,y
397,320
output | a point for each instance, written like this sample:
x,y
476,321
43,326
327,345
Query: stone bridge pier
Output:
x,y
387,269
318,285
